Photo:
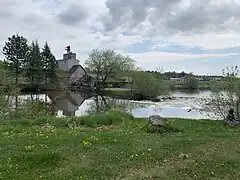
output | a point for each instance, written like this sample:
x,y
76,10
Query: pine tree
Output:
x,y
34,65
50,65
15,52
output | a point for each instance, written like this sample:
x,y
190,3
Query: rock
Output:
x,y
159,125
156,120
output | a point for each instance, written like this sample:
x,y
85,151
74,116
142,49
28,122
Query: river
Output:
x,y
183,105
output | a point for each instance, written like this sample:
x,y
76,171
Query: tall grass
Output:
x,y
35,114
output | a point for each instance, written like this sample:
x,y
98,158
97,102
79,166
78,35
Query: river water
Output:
x,y
183,105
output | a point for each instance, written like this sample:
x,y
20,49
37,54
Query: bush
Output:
x,y
165,129
29,110
191,83
147,86
110,117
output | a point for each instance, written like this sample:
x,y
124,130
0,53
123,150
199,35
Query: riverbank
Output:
x,y
52,148
181,85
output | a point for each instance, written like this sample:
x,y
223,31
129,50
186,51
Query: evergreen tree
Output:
x,y
15,52
34,65
50,65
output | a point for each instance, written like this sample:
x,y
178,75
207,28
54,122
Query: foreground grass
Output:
x,y
203,150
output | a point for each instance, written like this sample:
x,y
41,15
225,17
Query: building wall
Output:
x,y
66,65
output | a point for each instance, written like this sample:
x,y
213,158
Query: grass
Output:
x,y
180,85
117,92
117,149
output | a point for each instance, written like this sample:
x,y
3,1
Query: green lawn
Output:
x,y
122,151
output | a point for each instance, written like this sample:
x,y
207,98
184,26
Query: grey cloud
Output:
x,y
5,14
169,16
72,15
6,10
132,13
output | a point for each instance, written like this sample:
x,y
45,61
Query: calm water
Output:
x,y
77,104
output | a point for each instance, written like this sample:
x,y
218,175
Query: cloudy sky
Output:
x,y
200,36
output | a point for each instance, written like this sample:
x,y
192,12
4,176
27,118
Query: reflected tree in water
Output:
x,y
102,104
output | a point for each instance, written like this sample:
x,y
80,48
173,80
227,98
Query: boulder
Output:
x,y
156,120
159,125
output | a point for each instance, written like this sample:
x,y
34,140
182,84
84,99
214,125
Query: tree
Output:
x,y
191,82
147,86
7,91
33,64
15,51
50,65
106,63
225,96
182,74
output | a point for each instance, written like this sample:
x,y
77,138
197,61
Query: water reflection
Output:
x,y
101,104
69,103
81,103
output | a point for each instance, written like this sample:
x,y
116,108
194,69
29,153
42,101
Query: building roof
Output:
x,y
74,68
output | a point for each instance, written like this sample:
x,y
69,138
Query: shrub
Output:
x,y
110,117
164,129
28,110
147,86
191,83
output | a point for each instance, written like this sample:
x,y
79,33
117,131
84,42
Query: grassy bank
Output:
x,y
180,85
117,92
87,148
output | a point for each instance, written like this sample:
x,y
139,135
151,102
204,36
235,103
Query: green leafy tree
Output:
x,y
50,65
33,65
191,82
147,86
106,63
15,52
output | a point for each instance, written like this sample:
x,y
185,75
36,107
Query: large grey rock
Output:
x,y
156,120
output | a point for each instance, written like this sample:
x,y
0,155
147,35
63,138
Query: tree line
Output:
x,y
174,74
28,63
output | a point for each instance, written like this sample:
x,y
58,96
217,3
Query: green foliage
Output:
x,y
33,65
191,82
147,86
110,117
167,75
15,51
7,91
36,115
106,63
50,65
165,129
27,63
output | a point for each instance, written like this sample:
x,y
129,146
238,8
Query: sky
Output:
x,y
199,36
